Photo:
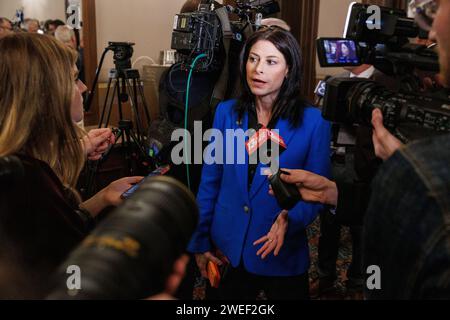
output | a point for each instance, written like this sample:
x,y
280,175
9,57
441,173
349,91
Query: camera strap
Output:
x,y
222,84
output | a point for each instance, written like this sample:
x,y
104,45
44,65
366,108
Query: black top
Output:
x,y
254,159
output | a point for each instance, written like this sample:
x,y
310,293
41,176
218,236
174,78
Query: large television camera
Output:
x,y
411,112
202,31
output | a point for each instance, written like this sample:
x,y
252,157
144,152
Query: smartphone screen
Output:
x,y
158,172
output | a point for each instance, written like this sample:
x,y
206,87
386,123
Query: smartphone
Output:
x,y
158,172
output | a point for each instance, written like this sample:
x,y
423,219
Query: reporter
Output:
x,y
41,99
406,226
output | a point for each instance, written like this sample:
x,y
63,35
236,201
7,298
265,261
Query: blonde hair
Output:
x,y
36,85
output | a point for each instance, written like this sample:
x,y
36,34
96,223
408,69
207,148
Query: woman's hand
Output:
x,y
110,196
97,142
112,193
202,260
274,240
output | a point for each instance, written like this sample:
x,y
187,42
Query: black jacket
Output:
x,y
39,222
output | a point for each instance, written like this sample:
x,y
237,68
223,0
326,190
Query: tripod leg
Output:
x,y
140,147
129,148
144,102
105,103
134,106
121,94
111,104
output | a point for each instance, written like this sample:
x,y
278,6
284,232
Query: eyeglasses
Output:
x,y
424,12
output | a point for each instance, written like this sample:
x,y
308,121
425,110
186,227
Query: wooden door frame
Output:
x,y
89,32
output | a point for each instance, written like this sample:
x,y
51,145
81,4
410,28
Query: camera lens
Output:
x,y
132,253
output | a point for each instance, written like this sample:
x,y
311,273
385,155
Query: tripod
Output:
x,y
126,86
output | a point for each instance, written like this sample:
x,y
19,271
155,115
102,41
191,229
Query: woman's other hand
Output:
x,y
274,240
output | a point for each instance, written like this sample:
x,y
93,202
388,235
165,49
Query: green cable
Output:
x,y
186,117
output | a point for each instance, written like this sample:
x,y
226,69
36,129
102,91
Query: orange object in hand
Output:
x,y
213,274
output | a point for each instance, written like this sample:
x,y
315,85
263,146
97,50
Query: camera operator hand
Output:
x,y
96,142
110,196
385,143
312,187
274,240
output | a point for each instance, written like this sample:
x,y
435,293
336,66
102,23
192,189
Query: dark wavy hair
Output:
x,y
289,104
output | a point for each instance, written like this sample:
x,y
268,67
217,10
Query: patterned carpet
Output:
x,y
343,262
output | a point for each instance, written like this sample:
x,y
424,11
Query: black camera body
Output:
x,y
352,100
202,31
196,33
123,52
409,113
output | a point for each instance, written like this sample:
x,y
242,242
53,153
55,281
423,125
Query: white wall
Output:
x,y
148,23
331,24
38,9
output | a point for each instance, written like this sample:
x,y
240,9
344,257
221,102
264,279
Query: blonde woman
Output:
x,y
40,98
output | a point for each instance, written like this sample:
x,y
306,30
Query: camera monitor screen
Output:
x,y
337,52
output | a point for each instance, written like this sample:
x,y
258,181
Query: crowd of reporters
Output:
x,y
405,229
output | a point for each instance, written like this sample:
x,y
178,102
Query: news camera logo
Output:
x,y
74,13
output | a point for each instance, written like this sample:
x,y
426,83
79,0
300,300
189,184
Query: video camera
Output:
x,y
202,31
384,44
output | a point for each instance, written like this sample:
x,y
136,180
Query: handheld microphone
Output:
x,y
321,88
287,195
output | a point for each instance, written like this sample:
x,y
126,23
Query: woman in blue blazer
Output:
x,y
236,209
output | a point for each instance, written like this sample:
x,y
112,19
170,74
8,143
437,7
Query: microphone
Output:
x,y
320,90
322,87
287,195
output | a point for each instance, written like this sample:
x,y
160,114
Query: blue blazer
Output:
x,y
232,217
